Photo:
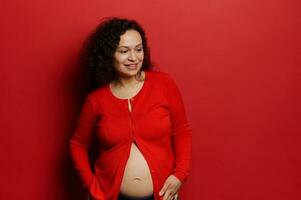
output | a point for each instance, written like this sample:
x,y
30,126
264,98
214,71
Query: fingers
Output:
x,y
170,188
170,194
163,190
167,195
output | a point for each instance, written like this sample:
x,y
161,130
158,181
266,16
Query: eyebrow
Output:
x,y
128,47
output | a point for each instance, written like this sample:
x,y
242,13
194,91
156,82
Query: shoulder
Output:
x,y
165,82
159,76
97,93
97,96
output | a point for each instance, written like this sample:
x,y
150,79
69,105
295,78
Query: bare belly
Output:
x,y
137,179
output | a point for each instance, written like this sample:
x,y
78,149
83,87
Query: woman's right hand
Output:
x,y
176,197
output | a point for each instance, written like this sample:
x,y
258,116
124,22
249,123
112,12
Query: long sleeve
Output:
x,y
81,140
181,131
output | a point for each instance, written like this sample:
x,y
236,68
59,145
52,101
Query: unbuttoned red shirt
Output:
x,y
157,124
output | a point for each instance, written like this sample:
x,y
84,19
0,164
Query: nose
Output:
x,y
132,56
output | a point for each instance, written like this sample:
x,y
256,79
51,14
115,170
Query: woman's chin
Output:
x,y
130,71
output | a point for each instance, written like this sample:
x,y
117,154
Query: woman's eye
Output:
x,y
125,51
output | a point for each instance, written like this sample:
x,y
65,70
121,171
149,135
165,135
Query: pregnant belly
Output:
x,y
137,179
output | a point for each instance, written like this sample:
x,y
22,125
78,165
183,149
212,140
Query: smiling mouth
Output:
x,y
132,66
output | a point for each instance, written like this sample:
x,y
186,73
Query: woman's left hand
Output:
x,y
170,188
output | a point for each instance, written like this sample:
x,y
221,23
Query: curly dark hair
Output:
x,y
101,45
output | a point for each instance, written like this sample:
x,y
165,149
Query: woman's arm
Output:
x,y
181,141
81,141
181,131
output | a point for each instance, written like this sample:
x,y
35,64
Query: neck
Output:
x,y
128,81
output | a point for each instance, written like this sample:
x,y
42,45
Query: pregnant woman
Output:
x,y
138,117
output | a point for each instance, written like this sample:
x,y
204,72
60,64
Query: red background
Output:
x,y
236,62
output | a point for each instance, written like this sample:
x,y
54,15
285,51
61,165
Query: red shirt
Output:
x,y
157,123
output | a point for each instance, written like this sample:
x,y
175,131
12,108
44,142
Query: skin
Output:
x,y
128,52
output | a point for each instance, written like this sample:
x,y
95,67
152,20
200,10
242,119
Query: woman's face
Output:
x,y
128,57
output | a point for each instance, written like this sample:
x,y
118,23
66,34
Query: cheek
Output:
x,y
140,57
120,60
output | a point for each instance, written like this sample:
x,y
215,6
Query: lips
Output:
x,y
132,66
